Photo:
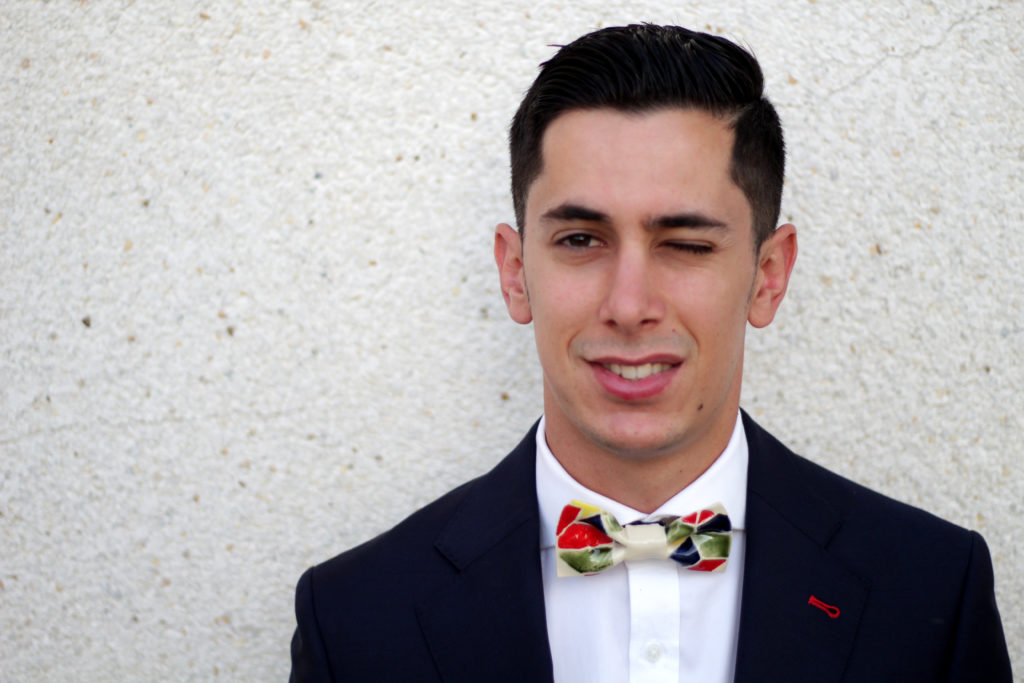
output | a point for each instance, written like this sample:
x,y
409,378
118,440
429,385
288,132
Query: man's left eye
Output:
x,y
692,247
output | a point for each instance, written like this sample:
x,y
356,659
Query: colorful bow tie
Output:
x,y
591,540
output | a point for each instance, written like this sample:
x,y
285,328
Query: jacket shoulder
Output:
x,y
412,537
357,612
799,489
448,532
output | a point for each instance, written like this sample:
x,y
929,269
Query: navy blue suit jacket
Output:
x,y
454,592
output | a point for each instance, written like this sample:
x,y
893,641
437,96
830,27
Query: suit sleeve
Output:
x,y
979,650
309,657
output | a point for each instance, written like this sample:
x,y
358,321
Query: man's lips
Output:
x,y
635,380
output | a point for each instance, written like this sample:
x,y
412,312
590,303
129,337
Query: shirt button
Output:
x,y
652,652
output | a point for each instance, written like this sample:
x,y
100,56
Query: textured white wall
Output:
x,y
248,316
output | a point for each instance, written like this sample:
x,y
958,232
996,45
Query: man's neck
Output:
x,y
642,481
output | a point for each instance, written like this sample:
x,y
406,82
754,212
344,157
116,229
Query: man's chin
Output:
x,y
640,444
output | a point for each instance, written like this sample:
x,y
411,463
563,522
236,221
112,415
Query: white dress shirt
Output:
x,y
651,620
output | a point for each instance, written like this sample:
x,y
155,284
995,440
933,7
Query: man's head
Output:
x,y
639,211
643,68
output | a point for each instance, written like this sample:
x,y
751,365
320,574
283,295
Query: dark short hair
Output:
x,y
644,67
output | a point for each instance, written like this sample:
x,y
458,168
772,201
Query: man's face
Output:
x,y
639,273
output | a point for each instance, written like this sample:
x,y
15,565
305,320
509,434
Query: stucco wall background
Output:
x,y
248,313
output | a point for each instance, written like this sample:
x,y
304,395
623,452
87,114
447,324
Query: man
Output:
x,y
647,174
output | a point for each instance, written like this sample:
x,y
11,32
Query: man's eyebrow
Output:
x,y
685,220
577,212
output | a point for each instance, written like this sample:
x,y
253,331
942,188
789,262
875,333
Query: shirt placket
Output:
x,y
653,621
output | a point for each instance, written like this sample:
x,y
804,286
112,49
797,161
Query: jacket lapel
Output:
x,y
800,606
487,623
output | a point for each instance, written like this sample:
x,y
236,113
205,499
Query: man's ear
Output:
x,y
508,254
774,265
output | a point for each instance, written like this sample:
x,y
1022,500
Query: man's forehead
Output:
x,y
590,155
594,129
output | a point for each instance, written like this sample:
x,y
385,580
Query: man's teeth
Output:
x,y
637,371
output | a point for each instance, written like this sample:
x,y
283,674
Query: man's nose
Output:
x,y
632,301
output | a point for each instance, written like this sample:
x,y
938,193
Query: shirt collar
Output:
x,y
724,482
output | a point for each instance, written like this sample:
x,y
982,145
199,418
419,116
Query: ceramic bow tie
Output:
x,y
590,540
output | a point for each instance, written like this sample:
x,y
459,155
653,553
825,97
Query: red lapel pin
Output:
x,y
831,610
